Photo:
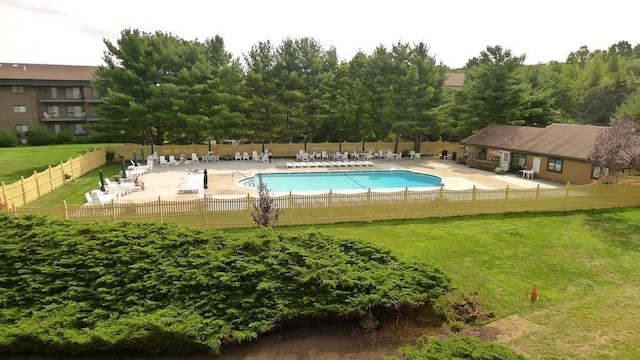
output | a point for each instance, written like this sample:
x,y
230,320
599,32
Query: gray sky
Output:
x,y
71,31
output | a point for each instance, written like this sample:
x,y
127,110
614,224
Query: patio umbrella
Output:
x,y
340,146
305,145
135,159
206,180
102,182
152,148
124,170
142,152
362,144
263,148
209,147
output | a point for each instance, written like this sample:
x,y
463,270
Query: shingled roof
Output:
x,y
562,140
15,71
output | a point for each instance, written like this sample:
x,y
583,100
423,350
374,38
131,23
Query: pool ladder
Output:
x,y
239,173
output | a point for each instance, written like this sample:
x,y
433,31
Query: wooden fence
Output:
x,y
41,183
368,206
226,151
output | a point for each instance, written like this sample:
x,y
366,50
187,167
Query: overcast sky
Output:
x,y
72,31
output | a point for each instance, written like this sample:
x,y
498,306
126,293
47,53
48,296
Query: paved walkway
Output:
x,y
163,182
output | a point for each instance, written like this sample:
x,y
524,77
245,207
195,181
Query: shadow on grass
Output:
x,y
615,229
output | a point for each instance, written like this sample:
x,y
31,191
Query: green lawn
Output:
x,y
73,191
585,264
23,160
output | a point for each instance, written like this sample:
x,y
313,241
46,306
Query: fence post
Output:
x,y
71,166
369,204
66,210
35,176
440,198
113,210
160,210
290,200
4,195
405,201
473,200
535,207
24,192
566,197
506,199
50,178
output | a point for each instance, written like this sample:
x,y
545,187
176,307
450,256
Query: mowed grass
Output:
x,y
586,266
23,160
73,191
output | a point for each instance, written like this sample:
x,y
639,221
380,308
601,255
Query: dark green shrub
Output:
x,y
40,135
7,139
135,288
65,137
461,348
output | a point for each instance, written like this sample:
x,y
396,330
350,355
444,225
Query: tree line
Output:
x,y
157,87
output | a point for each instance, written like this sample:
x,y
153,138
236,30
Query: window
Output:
x,y
17,89
597,172
53,111
72,93
554,165
19,109
76,128
22,128
52,93
55,128
481,153
74,111
94,94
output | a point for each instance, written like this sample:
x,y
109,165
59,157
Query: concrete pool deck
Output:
x,y
163,182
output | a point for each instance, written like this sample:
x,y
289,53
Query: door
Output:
x,y
518,161
536,165
504,160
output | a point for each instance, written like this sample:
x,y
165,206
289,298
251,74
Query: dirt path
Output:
x,y
333,342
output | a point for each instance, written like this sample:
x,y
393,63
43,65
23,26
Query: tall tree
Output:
x,y
157,87
264,113
494,90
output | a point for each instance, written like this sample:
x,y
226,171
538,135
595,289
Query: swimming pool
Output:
x,y
343,180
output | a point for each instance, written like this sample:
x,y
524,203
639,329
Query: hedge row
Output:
x,y
74,288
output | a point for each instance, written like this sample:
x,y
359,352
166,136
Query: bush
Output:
x,y
141,288
7,139
499,170
65,137
40,135
461,348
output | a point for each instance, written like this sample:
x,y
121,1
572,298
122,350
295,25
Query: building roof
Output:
x,y
14,71
454,79
562,140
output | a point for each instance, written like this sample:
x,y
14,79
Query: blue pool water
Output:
x,y
343,180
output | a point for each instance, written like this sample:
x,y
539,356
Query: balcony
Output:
x,y
61,100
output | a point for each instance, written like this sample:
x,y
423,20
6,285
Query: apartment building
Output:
x,y
59,97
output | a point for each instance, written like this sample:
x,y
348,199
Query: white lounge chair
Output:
x,y
238,156
194,158
163,161
245,156
173,161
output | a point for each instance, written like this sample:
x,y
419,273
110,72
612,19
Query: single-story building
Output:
x,y
557,152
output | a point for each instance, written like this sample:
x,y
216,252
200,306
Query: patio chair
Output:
x,y
245,156
194,158
163,161
173,161
254,156
238,156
